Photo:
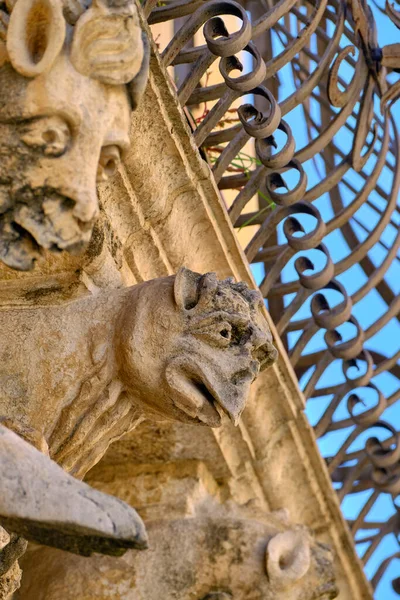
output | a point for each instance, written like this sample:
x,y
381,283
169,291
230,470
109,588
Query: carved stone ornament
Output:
x,y
44,504
183,348
201,558
69,77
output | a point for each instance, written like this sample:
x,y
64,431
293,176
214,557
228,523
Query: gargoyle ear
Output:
x,y
192,289
137,86
186,288
288,557
35,36
207,287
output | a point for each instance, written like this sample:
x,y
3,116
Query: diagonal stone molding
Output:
x,y
180,219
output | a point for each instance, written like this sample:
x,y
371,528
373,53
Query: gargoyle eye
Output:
x,y
216,334
49,135
226,333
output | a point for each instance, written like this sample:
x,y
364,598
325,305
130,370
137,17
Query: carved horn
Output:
x,y
107,43
191,289
186,288
35,36
208,285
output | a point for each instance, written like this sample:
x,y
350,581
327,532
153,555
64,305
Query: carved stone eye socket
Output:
x,y
110,159
219,335
50,135
231,334
226,332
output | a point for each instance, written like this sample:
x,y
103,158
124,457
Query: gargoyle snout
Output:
x,y
263,349
266,355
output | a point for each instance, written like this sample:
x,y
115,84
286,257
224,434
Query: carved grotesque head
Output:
x,y
70,73
234,559
196,559
190,346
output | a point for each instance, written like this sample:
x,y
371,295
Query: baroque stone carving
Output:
x,y
185,348
204,558
44,504
69,77
214,341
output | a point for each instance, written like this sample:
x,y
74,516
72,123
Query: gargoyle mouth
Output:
x,y
41,218
49,218
195,399
212,409
198,398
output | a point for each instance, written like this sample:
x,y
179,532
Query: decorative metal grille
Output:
x,y
325,233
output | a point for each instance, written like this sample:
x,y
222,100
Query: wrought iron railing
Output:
x,y
321,281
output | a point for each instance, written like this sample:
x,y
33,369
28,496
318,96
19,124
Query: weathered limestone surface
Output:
x,y
40,502
177,218
183,348
195,559
212,551
10,571
69,77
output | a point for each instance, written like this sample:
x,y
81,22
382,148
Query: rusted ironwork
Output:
x,y
344,85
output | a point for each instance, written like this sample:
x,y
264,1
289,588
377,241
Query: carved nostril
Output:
x,y
110,159
266,355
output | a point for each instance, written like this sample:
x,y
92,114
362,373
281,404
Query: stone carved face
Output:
x,y
235,559
194,559
176,348
69,76
190,346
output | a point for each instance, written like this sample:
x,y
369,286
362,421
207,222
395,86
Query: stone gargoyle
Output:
x,y
77,376
201,558
71,71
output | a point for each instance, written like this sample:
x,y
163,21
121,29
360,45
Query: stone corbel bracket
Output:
x,y
42,503
184,348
